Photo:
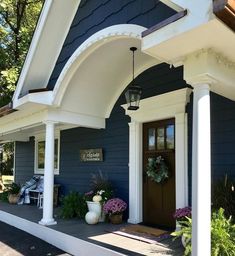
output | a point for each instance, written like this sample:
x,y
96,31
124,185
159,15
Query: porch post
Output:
x,y
201,172
47,218
135,173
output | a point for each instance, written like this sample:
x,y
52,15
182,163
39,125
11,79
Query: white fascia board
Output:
x,y
44,98
51,31
68,117
172,5
198,13
13,137
19,121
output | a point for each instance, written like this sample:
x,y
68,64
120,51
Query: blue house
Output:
x,y
70,97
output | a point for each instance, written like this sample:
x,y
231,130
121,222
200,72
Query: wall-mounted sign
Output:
x,y
91,155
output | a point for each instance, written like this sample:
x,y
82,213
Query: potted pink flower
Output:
x,y
181,213
114,208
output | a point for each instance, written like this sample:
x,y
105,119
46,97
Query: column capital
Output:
x,y
201,80
201,86
133,123
49,122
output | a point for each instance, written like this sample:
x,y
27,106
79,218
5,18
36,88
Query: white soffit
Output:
x,y
213,34
48,39
98,82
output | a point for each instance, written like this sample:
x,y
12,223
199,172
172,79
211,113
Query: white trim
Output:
x,y
78,119
86,48
41,137
48,40
135,172
32,48
168,105
67,243
43,98
172,5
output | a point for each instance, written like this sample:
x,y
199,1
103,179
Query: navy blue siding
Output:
x,y
95,15
24,161
222,139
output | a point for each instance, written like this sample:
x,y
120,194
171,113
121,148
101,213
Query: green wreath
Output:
x,y
157,169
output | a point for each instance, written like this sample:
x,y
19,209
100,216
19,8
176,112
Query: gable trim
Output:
x,y
48,40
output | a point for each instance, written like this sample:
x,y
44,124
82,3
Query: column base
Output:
x,y
47,222
133,221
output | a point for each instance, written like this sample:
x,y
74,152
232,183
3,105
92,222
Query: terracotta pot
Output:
x,y
13,198
116,218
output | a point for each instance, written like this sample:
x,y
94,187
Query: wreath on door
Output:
x,y
157,170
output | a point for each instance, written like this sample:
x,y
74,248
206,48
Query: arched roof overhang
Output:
x,y
99,70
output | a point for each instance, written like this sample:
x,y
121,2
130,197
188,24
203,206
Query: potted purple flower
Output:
x,y
183,218
114,208
181,213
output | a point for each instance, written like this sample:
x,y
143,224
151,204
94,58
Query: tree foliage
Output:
x,y
17,23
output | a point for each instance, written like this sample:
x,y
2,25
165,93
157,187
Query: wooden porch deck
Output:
x,y
78,238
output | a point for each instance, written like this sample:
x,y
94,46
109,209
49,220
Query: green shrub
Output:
x,y
4,196
222,234
13,189
73,206
186,231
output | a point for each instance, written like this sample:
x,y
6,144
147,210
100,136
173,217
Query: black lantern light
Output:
x,y
133,92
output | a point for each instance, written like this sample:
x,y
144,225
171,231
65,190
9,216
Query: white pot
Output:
x,y
184,240
91,218
94,207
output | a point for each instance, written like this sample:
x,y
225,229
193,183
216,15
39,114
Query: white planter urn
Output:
x,y
93,207
91,218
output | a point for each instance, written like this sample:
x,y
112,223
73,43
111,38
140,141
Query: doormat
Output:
x,y
143,233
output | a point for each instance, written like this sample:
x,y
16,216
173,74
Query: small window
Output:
x,y
151,139
160,138
170,137
40,156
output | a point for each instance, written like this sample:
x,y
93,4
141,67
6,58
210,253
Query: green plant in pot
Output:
x,y
222,234
13,193
101,185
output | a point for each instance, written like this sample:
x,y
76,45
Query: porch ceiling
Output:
x,y
100,79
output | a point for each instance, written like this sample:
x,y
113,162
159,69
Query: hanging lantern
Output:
x,y
133,92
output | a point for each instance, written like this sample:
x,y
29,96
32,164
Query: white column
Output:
x,y
47,218
201,172
135,173
181,169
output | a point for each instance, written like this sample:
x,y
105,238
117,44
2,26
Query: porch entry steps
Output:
x,y
67,243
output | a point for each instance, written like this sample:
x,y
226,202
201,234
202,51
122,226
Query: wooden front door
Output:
x,y
159,198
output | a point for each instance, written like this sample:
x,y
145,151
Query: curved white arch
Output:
x,y
86,48
75,76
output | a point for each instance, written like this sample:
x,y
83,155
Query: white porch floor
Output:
x,y
78,238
